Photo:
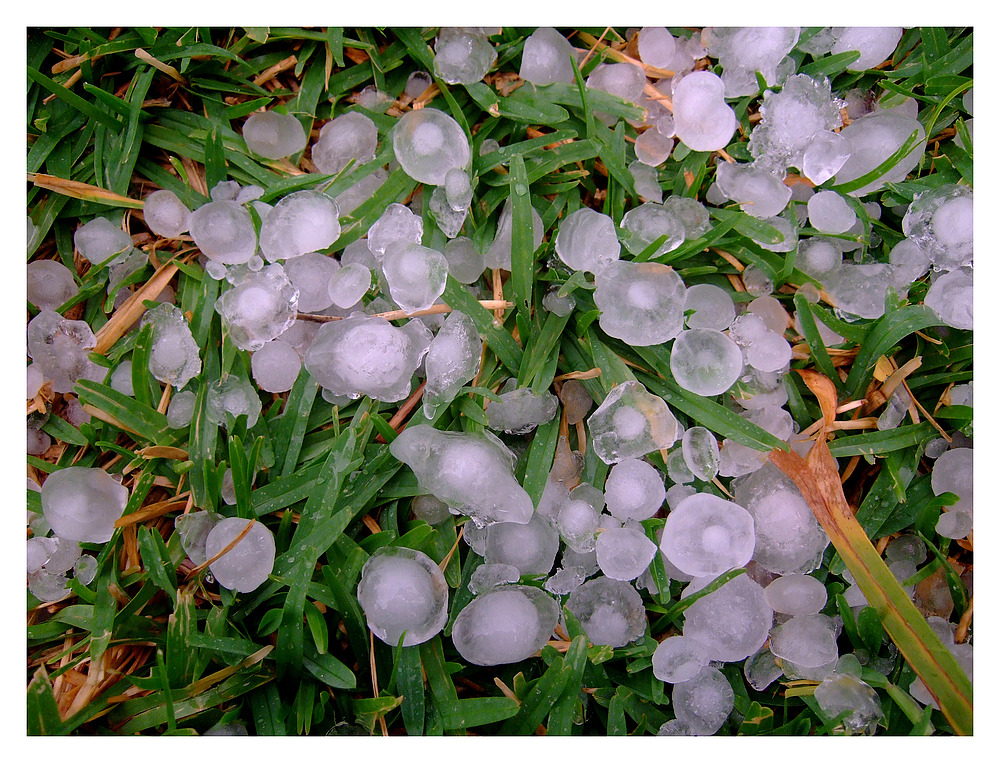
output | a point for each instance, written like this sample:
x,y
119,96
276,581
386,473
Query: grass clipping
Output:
x,y
818,480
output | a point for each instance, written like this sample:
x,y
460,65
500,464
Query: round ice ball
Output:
x,y
505,625
707,535
428,143
82,504
705,361
246,565
273,135
403,590
276,366
165,214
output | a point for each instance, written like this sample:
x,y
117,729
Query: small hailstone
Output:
x,y
273,135
82,504
100,240
579,518
258,308
416,275
796,594
396,224
224,232
349,137
705,361
759,193
713,307
429,509
587,240
874,138
462,57
707,535
489,576
634,490
808,641
174,356
276,366
623,80
505,625
311,274
518,411
530,548
417,83
304,221
234,397
642,303
349,284
701,453
624,553
181,409
452,361
610,611
732,622
50,284
756,281
647,183
649,222
842,693
428,143
951,297
630,423
546,58
465,263
652,148
403,590
829,213
703,702
656,46
226,190
678,659
874,43
245,567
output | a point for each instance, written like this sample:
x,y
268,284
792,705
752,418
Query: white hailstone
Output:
x,y
587,240
707,535
796,594
702,119
703,702
705,361
428,143
641,303
245,567
224,232
276,366
874,43
273,135
634,490
349,137
678,659
610,611
546,58
50,284
100,240
506,625
713,307
830,213
82,504
403,591
630,423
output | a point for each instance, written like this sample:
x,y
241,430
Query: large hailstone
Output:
x,y
630,423
82,504
403,590
174,356
302,222
641,303
427,143
224,232
259,307
366,355
707,535
245,567
506,625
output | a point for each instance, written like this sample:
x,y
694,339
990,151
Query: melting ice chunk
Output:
x,y
713,307
311,274
304,221
648,222
364,355
181,409
830,213
349,137
678,659
403,590
630,423
579,518
82,504
396,224
174,356
416,275
60,349
705,361
546,58
641,303
872,140
100,239
731,622
472,472
624,553
505,625
273,135
427,143
349,284
50,284
452,360
939,221
706,535
462,57
806,640
258,308
465,263
703,702
842,693
518,411
951,297
760,193
245,567
587,240
530,548
224,232
610,611
874,43
234,397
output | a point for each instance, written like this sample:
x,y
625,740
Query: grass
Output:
x,y
152,647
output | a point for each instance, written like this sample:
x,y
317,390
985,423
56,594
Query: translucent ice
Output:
x,y
498,255
193,530
465,263
304,221
234,397
82,504
565,581
805,640
656,46
702,120
490,576
622,79
276,366
759,192
311,274
364,355
713,307
732,622
701,453
403,590
349,137
100,240
641,303
792,120
505,625
872,140
518,411
245,567
610,611
630,423
744,51
829,213
579,518
174,356
349,284
531,547
224,232
678,659
842,693
634,490
705,361
824,156
953,473
273,135
181,409
624,553
761,669
396,224
415,274
258,308
939,221
452,361
428,143
951,297
448,219
796,594
874,43
652,149
546,58
707,535
587,240
472,472
788,537
643,225
462,57
576,401
703,702
60,349
50,284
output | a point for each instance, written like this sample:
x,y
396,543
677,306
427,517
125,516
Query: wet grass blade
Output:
x,y
522,244
885,334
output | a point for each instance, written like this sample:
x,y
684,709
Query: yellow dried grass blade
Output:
x,y
819,482
77,190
